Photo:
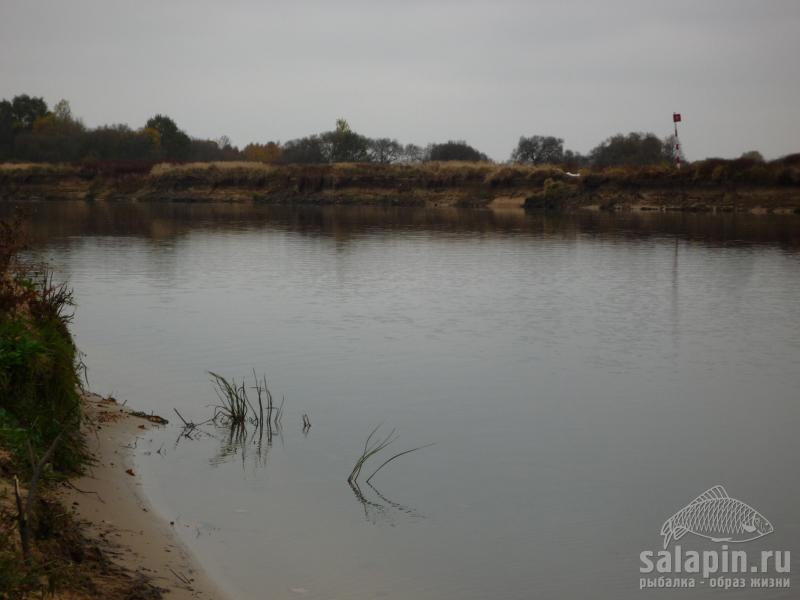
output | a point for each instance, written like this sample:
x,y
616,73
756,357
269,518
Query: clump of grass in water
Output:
x,y
237,412
234,406
373,446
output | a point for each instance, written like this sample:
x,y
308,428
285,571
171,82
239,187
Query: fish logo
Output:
x,y
718,517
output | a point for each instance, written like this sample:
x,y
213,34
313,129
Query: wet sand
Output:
x,y
109,502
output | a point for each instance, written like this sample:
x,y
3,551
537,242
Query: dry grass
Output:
x,y
184,168
18,166
454,171
425,177
11,167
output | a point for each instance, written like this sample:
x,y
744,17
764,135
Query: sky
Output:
x,y
421,70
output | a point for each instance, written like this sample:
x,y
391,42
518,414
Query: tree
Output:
x,y
120,142
210,150
574,159
60,122
63,111
344,145
538,149
26,110
753,155
384,150
174,142
6,129
304,150
54,136
671,150
155,139
412,153
454,150
224,142
269,152
631,149
28,131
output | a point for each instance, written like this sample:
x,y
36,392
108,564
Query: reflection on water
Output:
x,y
582,376
377,507
161,221
246,443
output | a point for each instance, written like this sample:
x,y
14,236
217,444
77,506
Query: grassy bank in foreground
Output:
x,y
711,185
43,549
40,417
40,405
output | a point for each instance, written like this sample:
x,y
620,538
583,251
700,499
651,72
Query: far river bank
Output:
x,y
709,186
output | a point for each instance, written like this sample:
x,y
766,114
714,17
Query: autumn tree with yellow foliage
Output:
x,y
267,153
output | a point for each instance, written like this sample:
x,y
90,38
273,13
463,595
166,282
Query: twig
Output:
x,y
185,422
183,579
77,489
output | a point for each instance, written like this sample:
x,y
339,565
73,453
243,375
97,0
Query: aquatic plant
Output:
x,y
398,455
371,448
234,407
380,509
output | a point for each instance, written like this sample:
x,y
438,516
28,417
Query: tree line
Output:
x,y
31,131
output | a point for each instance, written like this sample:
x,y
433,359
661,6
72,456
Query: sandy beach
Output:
x,y
109,502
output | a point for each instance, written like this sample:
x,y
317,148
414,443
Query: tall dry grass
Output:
x,y
203,167
12,167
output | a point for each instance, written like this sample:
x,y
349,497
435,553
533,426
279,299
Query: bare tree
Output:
x,y
539,149
384,150
413,153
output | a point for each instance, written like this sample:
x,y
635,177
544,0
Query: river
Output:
x,y
581,379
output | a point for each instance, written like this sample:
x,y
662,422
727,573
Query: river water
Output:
x,y
582,378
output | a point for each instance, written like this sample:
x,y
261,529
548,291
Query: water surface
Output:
x,y
582,378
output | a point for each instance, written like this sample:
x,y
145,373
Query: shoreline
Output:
x,y
115,514
710,186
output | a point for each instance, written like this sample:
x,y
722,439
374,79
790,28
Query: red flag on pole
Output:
x,y
676,117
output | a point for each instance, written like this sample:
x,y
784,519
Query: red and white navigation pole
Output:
x,y
676,118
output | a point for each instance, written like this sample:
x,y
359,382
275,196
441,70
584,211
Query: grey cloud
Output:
x,y
420,71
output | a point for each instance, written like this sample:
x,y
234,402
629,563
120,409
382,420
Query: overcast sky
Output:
x,y
421,71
